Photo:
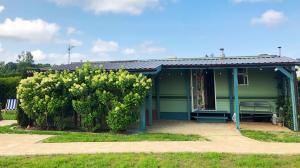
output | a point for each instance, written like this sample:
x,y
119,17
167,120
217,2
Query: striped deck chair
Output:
x,y
11,104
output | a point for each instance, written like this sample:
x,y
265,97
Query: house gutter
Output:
x,y
157,70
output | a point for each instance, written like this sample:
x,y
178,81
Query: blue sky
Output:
x,y
145,29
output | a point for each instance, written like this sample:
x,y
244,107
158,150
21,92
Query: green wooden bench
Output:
x,y
255,108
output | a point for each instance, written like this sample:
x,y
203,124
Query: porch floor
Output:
x,y
192,127
262,126
210,129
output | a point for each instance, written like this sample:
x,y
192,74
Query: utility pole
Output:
x,y
70,47
279,51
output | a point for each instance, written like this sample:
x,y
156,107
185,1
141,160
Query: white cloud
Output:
x,y
148,47
134,7
71,30
255,1
129,51
55,58
144,49
270,18
6,55
2,8
32,30
1,48
111,50
38,55
102,47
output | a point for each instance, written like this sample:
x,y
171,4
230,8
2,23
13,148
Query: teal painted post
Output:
x,y
149,106
291,77
295,117
188,93
157,97
229,73
236,97
143,116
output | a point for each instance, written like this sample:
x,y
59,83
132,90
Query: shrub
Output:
x,y
22,118
129,91
102,99
8,89
110,98
43,98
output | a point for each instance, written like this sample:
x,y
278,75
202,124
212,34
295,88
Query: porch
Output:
x,y
211,130
220,101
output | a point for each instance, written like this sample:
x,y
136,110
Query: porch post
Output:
x,y
229,73
149,106
157,97
291,77
143,116
188,92
236,97
295,117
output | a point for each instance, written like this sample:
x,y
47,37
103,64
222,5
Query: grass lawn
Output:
x,y
272,136
9,115
142,160
65,136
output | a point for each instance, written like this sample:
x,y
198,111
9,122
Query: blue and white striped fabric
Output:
x,y
11,104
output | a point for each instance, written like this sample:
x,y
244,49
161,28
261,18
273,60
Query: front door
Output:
x,y
203,90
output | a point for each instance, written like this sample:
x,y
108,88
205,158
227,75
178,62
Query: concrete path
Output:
x,y
7,122
223,138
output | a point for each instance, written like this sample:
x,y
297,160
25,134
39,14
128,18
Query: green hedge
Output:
x,y
8,89
101,99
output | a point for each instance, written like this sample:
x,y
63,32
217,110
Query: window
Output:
x,y
243,76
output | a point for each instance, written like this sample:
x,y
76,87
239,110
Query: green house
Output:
x,y
212,89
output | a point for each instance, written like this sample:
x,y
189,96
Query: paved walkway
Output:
x,y
223,138
7,122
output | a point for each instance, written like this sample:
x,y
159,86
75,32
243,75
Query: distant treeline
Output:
x,y
12,72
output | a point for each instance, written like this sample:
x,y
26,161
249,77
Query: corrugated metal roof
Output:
x,y
150,65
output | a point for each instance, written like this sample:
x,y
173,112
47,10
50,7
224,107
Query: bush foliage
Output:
x,y
8,89
102,99
22,118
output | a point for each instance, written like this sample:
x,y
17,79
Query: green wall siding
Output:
x,y
173,94
222,91
172,83
262,86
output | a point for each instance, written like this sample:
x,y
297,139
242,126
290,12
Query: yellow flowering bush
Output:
x,y
103,99
43,97
108,99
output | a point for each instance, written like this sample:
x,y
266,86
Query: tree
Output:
x,y
2,66
25,58
11,67
25,61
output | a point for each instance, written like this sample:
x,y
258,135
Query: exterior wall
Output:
x,y
262,86
174,86
173,94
